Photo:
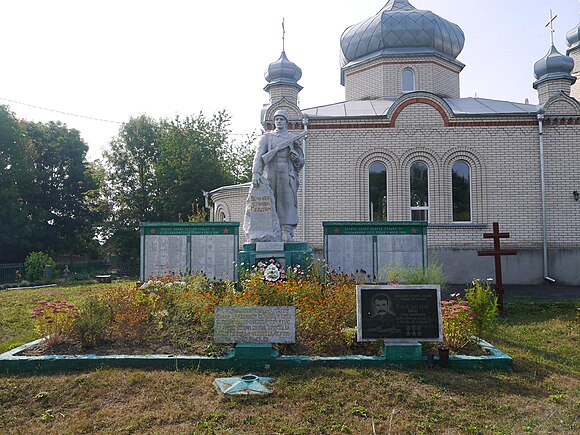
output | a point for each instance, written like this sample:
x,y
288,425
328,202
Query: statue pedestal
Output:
x,y
288,254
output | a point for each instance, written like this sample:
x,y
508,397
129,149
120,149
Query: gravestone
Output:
x,y
182,248
255,324
261,223
399,313
370,247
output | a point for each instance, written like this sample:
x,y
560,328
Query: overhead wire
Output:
x,y
60,111
81,116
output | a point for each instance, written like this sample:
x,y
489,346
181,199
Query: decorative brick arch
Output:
x,y
562,103
400,76
419,100
478,182
434,173
362,166
286,104
222,208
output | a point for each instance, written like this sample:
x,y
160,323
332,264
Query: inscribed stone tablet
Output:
x,y
350,253
165,254
269,246
399,250
255,324
261,223
213,255
399,313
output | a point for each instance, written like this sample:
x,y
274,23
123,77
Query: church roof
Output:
x,y
399,28
459,106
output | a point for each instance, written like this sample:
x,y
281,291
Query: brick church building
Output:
x,y
405,145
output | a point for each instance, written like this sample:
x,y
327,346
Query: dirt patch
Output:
x,y
72,346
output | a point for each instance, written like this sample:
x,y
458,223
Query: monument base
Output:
x,y
288,254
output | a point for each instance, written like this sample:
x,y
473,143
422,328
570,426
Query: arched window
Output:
x,y
378,192
419,183
461,191
408,80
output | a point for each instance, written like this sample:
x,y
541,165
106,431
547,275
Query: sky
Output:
x,y
111,60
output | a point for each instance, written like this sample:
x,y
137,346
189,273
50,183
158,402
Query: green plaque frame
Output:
x,y
189,230
370,234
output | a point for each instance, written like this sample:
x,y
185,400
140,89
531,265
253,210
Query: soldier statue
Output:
x,y
278,161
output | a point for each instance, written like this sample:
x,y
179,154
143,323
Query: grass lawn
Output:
x,y
542,395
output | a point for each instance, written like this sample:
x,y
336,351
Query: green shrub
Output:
x,y
94,324
483,303
35,263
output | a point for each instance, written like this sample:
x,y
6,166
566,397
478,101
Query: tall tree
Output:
x,y
192,159
132,185
16,231
158,169
62,218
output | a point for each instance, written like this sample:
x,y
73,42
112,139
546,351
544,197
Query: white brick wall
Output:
x,y
505,177
381,77
551,87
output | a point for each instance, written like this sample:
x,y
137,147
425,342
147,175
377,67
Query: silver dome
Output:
x,y
553,65
283,71
400,28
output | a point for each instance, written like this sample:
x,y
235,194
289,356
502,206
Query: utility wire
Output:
x,y
61,112
84,116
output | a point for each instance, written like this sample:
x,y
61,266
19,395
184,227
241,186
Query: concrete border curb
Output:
x,y
12,363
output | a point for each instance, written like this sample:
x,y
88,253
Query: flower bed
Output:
x,y
174,316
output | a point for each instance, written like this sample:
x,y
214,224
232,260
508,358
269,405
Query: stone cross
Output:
x,y
497,253
551,25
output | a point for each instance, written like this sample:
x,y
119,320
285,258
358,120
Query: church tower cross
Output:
x,y
283,33
551,25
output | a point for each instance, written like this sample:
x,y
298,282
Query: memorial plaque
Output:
x,y
181,248
261,223
213,255
165,255
269,246
239,324
399,313
350,254
373,246
402,250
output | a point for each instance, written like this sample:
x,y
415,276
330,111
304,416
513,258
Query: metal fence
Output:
x,y
11,272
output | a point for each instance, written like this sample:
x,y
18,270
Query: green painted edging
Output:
x,y
10,363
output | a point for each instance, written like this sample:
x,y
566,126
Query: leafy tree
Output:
x,y
158,169
193,156
62,219
131,184
16,232
240,159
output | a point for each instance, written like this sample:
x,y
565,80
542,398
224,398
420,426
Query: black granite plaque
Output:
x,y
399,313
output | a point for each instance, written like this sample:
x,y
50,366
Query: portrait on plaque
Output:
x,y
398,313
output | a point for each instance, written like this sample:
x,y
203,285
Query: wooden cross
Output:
x,y
497,253
551,25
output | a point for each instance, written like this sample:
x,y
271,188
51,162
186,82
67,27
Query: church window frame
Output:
x,y
408,80
461,197
419,191
378,191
